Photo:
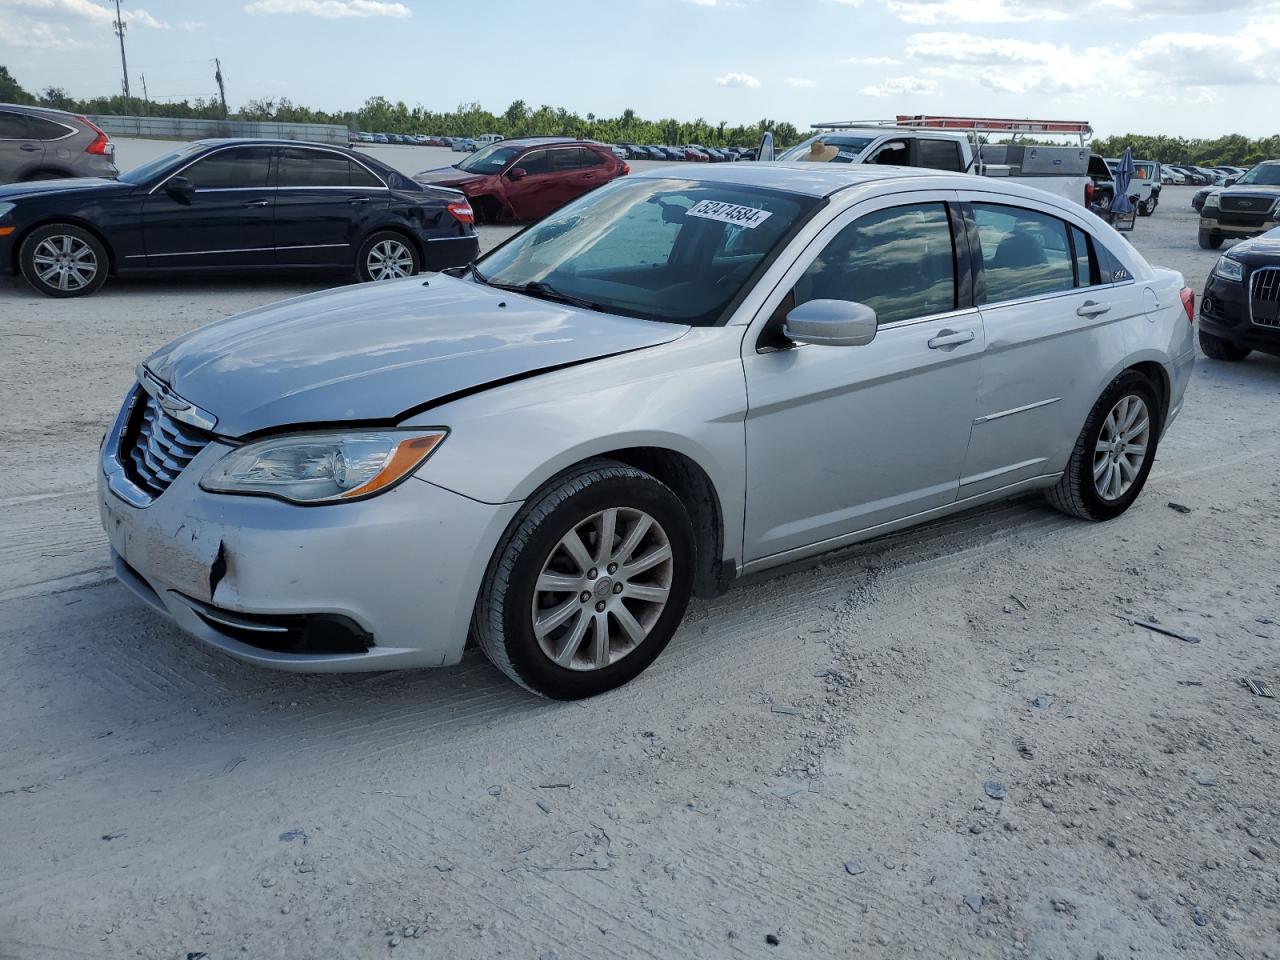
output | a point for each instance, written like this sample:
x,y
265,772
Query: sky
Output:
x,y
1178,67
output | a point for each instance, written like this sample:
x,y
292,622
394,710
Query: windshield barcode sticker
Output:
x,y
748,217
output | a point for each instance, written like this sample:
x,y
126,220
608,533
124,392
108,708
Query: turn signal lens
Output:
x,y
1189,303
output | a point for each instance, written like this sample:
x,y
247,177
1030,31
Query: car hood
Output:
x,y
1263,250
447,177
33,188
1251,190
376,353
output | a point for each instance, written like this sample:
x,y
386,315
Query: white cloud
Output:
x,y
931,12
83,10
874,61
968,48
738,80
331,9
33,33
801,83
900,86
191,26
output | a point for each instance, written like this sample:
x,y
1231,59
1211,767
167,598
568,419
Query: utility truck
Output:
x,y
962,144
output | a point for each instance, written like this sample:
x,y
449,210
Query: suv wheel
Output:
x,y
1148,206
1114,452
589,584
62,260
1210,240
1215,348
387,255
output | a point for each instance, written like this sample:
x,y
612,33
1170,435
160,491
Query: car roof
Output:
x,y
807,178
33,108
523,142
271,142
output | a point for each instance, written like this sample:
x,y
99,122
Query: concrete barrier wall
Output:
x,y
181,129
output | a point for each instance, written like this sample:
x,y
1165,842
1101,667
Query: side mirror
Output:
x,y
180,188
831,323
517,173
1230,181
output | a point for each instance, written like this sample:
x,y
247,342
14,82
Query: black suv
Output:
x,y
1240,309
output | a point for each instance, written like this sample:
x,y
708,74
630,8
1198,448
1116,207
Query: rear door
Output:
x,y
226,222
20,153
323,200
1054,306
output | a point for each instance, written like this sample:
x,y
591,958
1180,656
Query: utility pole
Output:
x,y
222,91
120,26
145,99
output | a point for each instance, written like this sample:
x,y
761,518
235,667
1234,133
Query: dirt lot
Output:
x,y
946,744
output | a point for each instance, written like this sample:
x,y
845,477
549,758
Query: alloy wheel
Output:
x,y
65,262
602,589
1122,447
389,260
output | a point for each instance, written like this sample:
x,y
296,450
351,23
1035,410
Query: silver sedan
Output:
x,y
682,378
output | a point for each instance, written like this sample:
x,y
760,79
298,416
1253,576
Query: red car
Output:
x,y
527,179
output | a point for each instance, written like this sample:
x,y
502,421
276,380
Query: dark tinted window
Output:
x,y
314,168
897,261
938,154
1086,268
241,167
1025,253
13,126
589,158
362,177
535,162
565,158
42,129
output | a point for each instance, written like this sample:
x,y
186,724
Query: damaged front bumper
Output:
x,y
382,583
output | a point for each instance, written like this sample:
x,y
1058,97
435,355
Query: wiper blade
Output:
x,y
537,288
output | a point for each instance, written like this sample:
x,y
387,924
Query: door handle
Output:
x,y
29,148
355,200
950,338
258,203
1091,308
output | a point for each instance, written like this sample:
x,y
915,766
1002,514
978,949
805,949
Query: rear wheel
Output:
x,y
1114,452
589,584
1216,348
63,260
387,255
1148,207
1210,240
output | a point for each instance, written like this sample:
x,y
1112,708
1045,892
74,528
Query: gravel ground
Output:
x,y
947,744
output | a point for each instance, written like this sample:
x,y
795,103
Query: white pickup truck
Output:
x,y
956,143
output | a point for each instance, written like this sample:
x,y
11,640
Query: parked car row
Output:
x,y
1188,174
691,151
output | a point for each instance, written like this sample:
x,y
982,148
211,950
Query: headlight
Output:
x,y
1211,200
1229,269
323,467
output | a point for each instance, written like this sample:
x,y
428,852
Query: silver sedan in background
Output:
x,y
683,377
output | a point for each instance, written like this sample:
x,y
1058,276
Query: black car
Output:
x,y
1240,309
233,204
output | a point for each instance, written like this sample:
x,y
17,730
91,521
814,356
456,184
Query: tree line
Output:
x,y
380,115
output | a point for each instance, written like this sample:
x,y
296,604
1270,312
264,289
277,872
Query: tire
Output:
x,y
1216,348
531,564
1209,240
387,255
1078,493
63,260
45,175
1148,207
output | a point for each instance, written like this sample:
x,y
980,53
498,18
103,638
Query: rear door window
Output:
x,y
314,168
899,261
1025,253
589,158
42,129
13,126
240,167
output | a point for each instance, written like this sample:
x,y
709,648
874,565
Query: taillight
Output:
x,y
1189,303
462,212
1088,194
626,168
101,145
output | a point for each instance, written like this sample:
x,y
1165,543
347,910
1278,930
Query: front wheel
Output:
x,y
1148,207
1209,240
1114,452
589,584
1215,348
63,260
387,255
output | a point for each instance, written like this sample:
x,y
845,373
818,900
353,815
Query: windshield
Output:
x,y
490,159
829,148
1264,175
673,250
153,168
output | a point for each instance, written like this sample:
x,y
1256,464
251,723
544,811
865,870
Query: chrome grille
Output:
x,y
155,448
1264,296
